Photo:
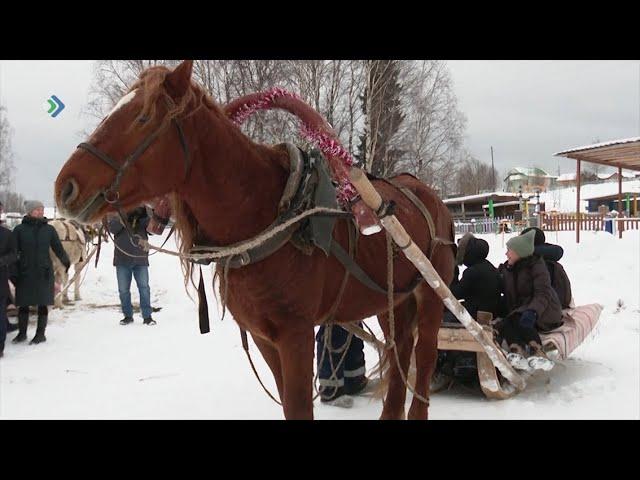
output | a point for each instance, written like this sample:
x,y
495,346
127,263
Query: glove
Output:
x,y
528,319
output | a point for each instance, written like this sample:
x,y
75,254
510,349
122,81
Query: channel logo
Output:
x,y
54,106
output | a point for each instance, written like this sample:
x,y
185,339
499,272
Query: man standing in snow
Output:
x,y
131,260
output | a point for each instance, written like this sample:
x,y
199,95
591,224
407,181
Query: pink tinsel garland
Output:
x,y
327,144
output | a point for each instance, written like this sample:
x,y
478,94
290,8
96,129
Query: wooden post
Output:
x,y
578,203
464,217
620,224
413,253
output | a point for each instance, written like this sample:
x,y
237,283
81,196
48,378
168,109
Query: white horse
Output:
x,y
74,242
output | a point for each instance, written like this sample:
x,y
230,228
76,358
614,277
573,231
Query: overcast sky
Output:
x,y
526,110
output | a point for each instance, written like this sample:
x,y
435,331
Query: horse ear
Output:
x,y
178,81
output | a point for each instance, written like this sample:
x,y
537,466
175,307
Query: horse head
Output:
x,y
135,153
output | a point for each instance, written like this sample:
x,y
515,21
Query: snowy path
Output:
x,y
93,368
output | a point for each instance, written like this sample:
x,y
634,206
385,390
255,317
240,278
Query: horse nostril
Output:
x,y
69,192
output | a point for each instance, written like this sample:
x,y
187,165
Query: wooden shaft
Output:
x,y
424,266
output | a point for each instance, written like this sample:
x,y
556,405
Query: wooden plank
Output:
x,y
489,381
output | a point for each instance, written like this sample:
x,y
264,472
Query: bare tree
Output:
x,y
382,107
433,127
12,201
474,176
6,151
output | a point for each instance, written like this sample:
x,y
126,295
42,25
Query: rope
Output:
x,y
392,319
242,247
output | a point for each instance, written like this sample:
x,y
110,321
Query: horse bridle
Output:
x,y
112,193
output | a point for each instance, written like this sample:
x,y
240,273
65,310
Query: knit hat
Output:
x,y
540,238
522,244
31,205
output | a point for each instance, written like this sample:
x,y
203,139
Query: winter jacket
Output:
x,y
34,282
480,282
134,255
551,254
527,286
8,256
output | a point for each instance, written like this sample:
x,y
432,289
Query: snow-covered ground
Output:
x,y
93,368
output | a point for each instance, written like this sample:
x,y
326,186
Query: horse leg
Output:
x,y
77,268
430,310
58,277
429,315
272,357
296,349
396,391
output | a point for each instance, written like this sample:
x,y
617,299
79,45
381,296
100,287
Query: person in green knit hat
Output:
x,y
530,304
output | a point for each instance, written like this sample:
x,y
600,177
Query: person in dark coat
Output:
x,y
551,254
8,256
479,287
531,303
131,260
34,274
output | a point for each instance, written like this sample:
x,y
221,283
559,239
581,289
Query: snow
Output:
x,y
479,196
564,199
93,368
602,144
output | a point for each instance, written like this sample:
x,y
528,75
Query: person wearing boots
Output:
x,y
8,256
34,276
551,254
340,373
131,260
531,303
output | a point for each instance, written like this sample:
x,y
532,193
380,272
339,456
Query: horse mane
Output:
x,y
151,85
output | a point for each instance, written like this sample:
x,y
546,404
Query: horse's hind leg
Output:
x,y
396,388
429,315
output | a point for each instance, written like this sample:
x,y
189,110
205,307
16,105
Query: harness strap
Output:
x,y
354,269
435,240
203,307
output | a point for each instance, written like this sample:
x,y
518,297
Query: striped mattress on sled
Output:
x,y
578,323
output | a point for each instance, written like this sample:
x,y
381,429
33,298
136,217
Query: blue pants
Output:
x,y
352,369
141,274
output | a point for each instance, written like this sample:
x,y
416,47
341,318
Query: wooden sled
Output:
x,y
453,336
578,323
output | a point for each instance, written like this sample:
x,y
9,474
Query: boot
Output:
x,y
538,359
42,325
12,327
23,322
126,321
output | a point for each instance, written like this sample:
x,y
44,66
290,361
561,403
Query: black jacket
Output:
x,y
551,254
34,237
134,255
8,256
480,282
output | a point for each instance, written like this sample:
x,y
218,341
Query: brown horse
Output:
x,y
227,190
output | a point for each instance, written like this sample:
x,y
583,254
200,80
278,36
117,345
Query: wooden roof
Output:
x,y
623,153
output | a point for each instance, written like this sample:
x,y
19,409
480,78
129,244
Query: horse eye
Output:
x,y
143,119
